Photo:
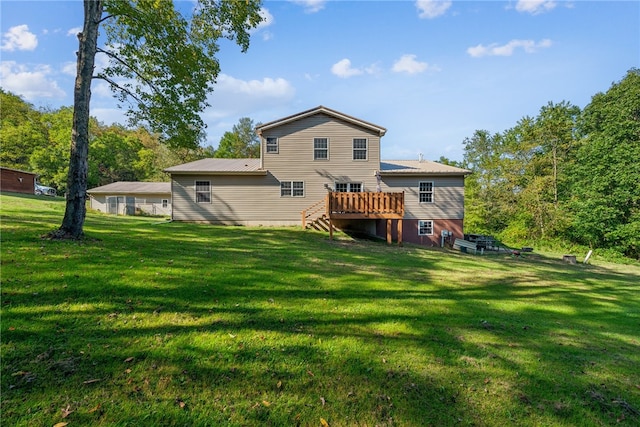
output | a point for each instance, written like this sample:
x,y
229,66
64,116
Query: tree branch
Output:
x,y
140,76
116,85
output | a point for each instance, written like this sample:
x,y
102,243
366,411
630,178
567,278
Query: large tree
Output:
x,y
162,63
241,142
606,191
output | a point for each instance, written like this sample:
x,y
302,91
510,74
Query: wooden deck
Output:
x,y
348,205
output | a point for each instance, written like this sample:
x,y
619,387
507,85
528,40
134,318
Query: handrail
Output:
x,y
366,204
311,211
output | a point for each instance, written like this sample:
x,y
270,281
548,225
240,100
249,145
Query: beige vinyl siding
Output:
x,y
448,196
236,199
295,159
150,204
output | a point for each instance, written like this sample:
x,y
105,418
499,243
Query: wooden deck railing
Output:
x,y
365,205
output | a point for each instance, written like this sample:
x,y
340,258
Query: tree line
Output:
x,y
38,140
566,174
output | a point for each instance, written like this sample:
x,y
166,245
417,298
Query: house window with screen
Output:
x,y
291,189
203,192
359,149
425,228
272,145
320,148
165,203
346,187
426,192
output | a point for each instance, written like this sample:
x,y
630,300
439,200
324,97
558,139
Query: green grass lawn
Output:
x,y
148,322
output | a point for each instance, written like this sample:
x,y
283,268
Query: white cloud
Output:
x,y
267,19
70,68
344,70
311,6
409,64
19,38
267,87
529,46
74,31
535,7
30,83
432,8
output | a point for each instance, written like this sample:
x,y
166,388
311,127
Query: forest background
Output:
x,y
568,176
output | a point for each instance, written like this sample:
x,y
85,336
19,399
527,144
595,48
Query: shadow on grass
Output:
x,y
173,324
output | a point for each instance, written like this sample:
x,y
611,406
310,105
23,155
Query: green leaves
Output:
x,y
162,59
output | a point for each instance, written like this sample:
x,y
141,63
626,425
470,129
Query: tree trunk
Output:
x,y
73,222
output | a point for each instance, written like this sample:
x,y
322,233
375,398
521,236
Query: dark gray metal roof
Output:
x,y
128,187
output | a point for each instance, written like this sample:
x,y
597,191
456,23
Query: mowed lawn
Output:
x,y
148,322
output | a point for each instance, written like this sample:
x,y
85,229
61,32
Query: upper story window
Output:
x,y
272,145
426,192
203,191
320,148
359,149
346,187
291,188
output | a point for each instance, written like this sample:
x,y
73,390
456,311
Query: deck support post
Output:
x,y
330,229
389,231
399,232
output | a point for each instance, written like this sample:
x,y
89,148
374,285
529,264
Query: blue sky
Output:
x,y
431,72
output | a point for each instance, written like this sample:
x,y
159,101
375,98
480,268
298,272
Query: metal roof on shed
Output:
x,y
129,187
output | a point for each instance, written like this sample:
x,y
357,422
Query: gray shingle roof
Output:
x,y
219,166
418,167
128,187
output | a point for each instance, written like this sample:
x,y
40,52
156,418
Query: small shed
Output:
x,y
17,181
132,198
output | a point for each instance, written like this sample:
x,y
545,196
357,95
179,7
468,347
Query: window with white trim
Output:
x,y
348,187
165,203
425,228
359,149
320,148
203,191
291,188
426,192
272,145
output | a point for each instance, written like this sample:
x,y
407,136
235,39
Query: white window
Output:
x,y
425,228
203,192
165,203
272,145
359,149
320,148
426,192
348,187
291,188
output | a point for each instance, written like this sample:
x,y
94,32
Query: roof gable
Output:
x,y
321,110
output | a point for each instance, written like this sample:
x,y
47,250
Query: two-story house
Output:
x,y
323,165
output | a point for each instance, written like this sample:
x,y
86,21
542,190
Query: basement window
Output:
x,y
425,228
